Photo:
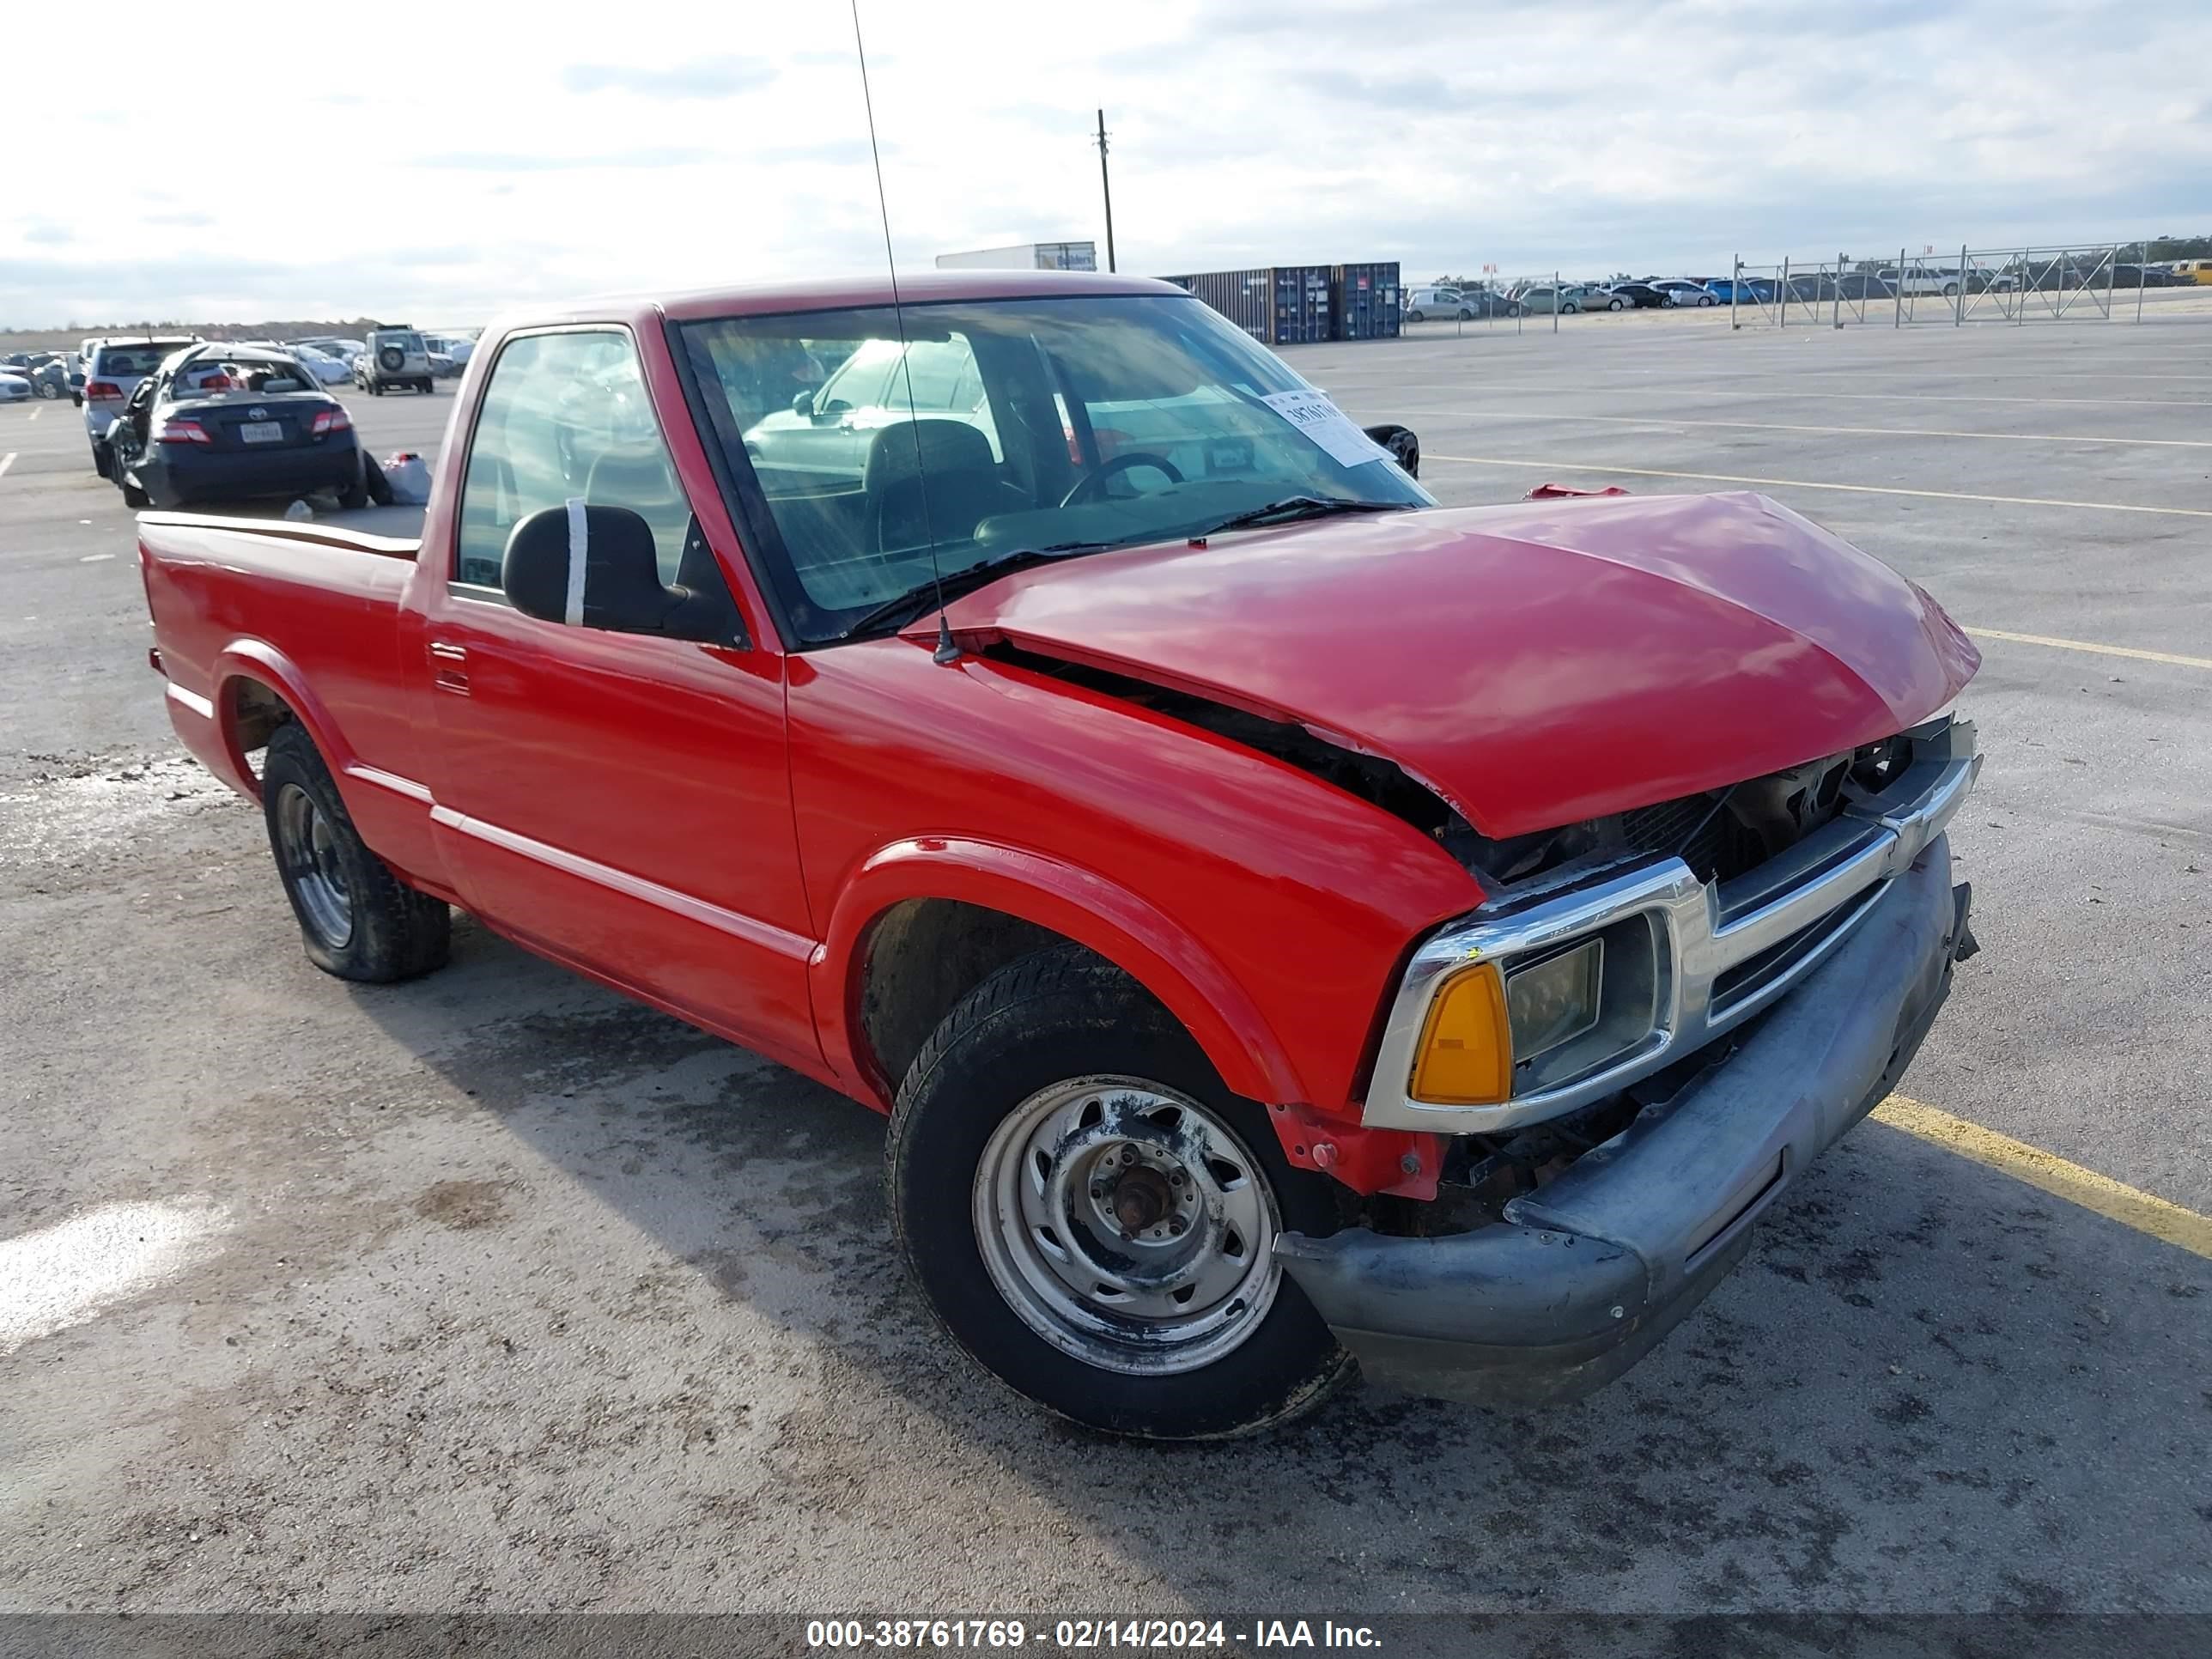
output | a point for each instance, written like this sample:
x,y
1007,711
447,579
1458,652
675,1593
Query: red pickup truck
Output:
x,y
1288,923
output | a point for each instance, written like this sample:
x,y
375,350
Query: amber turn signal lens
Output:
x,y
1465,1056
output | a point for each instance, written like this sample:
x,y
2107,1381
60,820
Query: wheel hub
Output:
x,y
1127,1224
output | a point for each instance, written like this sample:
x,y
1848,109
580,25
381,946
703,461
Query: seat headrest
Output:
x,y
902,449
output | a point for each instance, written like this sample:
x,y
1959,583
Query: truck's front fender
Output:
x,y
1077,904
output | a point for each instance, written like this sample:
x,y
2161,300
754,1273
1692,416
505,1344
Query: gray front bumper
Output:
x,y
1584,1275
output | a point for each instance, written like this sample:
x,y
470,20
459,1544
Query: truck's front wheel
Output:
x,y
357,920
1091,1214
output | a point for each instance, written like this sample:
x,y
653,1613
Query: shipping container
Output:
x,y
1278,305
1362,302
1025,256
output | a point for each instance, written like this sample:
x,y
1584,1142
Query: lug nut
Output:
x,y
1410,1164
1177,1225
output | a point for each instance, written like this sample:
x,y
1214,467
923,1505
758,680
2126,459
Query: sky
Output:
x,y
432,164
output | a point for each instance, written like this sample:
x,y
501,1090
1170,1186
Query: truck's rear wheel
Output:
x,y
357,920
1091,1214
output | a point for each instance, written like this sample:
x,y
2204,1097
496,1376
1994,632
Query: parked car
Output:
x,y
1643,297
326,369
1685,291
1748,290
15,388
393,357
221,422
1598,297
1921,280
1423,303
453,347
1540,299
1215,982
2197,271
113,368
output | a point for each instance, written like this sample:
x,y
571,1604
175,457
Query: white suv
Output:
x,y
112,369
396,357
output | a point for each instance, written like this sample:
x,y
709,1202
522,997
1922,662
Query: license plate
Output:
x,y
262,432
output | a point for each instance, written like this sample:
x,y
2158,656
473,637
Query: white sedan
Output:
x,y
326,369
13,389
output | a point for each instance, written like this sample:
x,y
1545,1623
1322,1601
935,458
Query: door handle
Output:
x,y
448,668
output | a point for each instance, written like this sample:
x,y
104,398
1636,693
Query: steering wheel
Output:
x,y
1088,484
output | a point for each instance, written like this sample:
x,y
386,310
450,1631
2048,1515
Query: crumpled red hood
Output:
x,y
1533,664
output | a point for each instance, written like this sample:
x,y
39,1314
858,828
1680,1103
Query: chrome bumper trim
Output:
x,y
1705,930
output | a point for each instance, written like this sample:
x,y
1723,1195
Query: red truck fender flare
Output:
x,y
1075,903
256,660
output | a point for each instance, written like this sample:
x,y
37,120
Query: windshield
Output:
x,y
1033,425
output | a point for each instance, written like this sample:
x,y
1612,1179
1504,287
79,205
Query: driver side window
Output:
x,y
566,417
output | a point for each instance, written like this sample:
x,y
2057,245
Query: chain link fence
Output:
x,y
2074,282
2100,280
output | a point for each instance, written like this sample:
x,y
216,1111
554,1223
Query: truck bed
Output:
x,y
309,609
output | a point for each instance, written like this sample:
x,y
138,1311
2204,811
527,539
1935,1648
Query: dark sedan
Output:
x,y
225,423
1642,296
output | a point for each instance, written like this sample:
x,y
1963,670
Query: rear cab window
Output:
x,y
566,416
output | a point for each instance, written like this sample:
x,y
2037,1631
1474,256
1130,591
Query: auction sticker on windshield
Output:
x,y
1312,413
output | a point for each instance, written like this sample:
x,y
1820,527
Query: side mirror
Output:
x,y
596,567
1404,449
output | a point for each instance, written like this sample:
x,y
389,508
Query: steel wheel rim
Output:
x,y
1127,1225
309,848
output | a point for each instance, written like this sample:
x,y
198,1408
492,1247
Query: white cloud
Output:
x,y
483,158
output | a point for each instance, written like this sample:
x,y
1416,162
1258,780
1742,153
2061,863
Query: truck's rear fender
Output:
x,y
1042,897
391,811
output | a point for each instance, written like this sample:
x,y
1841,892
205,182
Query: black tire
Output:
x,y
1415,317
380,487
133,497
48,390
392,931
103,460
1615,304
1059,1014
356,494
1707,300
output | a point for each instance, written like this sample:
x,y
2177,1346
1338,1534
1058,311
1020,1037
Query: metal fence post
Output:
x,y
1557,301
2020,310
1898,321
2142,263
1781,296
1839,288
1735,292
1960,296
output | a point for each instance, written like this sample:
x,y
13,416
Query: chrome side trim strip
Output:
x,y
1698,947
752,930
418,792
192,699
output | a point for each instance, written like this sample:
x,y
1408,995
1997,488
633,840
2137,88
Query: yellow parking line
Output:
x,y
1807,484
2049,1173
2099,650
1524,416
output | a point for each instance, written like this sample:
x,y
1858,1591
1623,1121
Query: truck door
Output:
x,y
619,801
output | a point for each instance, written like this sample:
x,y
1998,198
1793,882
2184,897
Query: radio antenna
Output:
x,y
946,650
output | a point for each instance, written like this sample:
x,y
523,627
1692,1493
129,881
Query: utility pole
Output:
x,y
1106,187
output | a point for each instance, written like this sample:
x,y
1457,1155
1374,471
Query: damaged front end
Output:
x,y
1697,1033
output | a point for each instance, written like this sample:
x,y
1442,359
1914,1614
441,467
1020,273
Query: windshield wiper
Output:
x,y
903,608
1293,508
